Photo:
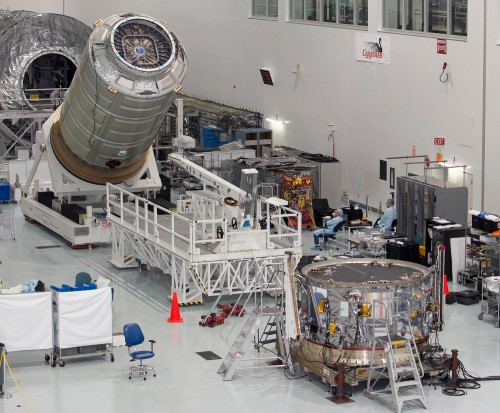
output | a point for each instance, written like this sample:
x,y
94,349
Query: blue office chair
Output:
x,y
83,278
133,337
336,229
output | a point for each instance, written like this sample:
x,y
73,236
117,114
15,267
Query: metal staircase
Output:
x,y
270,333
246,337
401,364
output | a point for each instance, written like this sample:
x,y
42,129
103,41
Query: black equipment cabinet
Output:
x,y
402,250
419,198
434,234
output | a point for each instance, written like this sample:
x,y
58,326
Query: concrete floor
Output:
x,y
185,381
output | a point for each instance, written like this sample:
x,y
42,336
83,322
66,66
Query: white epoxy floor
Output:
x,y
186,382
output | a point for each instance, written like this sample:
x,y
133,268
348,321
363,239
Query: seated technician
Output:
x,y
338,216
389,216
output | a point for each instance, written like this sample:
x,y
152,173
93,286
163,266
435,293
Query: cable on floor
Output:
x,y
464,380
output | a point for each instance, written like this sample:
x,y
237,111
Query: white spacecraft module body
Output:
x,y
128,76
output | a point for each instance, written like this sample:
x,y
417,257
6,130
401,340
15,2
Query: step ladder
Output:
x,y
270,334
401,364
237,352
255,291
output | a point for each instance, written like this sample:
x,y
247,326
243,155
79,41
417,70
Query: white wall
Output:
x,y
492,129
379,110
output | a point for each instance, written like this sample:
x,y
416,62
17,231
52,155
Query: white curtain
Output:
x,y
26,321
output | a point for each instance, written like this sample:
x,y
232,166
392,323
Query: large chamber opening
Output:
x,y
46,80
32,46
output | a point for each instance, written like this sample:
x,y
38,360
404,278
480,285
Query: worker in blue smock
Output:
x,y
338,216
388,217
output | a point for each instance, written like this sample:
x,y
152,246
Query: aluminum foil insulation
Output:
x,y
26,36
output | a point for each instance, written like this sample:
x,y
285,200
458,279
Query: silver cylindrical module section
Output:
x,y
128,76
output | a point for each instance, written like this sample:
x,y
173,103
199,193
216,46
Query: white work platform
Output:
x,y
205,253
172,231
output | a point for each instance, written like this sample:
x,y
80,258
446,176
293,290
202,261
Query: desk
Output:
x,y
353,226
349,229
375,246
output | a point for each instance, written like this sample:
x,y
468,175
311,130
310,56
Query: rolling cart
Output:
x,y
26,322
490,303
82,324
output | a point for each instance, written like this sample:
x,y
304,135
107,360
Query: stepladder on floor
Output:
x,y
249,336
396,381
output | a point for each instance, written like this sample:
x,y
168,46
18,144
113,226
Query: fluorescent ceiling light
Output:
x,y
283,122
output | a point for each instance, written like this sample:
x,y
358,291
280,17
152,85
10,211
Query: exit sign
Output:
x,y
439,141
441,46
267,77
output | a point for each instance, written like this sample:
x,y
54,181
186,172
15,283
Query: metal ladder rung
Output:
x,y
409,397
270,311
405,369
407,383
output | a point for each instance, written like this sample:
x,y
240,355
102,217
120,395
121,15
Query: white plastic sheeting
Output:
x,y
83,318
26,321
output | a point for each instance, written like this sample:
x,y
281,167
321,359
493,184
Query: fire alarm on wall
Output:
x,y
268,76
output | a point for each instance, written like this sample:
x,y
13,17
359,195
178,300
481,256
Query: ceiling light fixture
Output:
x,y
283,122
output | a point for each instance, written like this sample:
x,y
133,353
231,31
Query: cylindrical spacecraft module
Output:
x,y
128,76
346,298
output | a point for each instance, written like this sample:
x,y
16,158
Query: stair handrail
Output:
x,y
257,285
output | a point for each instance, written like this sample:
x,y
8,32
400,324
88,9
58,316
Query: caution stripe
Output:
x,y
199,279
191,303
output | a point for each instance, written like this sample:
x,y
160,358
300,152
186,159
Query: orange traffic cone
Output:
x,y
446,290
175,315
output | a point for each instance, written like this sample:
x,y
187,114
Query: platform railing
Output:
x,y
38,99
281,220
206,233
188,237
138,217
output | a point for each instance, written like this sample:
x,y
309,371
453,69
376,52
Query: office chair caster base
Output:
x,y
141,371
